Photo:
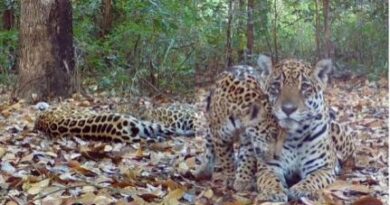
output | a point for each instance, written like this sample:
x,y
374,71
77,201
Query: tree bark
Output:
x,y
46,63
106,19
241,31
318,31
8,19
275,33
229,60
327,32
263,10
250,33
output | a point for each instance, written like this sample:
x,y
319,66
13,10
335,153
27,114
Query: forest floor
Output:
x,y
38,170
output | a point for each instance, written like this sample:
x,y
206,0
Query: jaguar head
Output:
x,y
295,90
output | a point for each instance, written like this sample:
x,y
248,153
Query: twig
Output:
x,y
167,52
80,185
155,89
187,57
53,192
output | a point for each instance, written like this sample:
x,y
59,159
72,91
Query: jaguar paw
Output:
x,y
242,185
297,192
271,196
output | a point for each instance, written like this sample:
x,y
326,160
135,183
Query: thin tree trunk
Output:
x,y
318,31
46,60
8,19
264,32
362,41
241,31
229,60
250,29
107,16
275,32
327,31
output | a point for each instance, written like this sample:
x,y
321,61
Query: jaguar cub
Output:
x,y
236,106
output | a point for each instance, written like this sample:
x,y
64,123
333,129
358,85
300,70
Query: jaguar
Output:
x,y
314,144
182,117
238,113
114,127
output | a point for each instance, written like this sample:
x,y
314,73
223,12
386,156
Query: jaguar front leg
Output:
x,y
312,183
246,167
225,160
207,165
271,184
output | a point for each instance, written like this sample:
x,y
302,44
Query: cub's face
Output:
x,y
295,90
237,101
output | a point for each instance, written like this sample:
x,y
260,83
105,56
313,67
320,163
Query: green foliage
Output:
x,y
8,44
8,50
162,44
362,39
147,38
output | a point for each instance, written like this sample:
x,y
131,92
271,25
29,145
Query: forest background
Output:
x,y
143,46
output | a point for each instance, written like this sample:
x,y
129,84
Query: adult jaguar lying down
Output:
x,y
114,127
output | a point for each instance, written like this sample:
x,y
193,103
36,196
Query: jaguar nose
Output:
x,y
289,108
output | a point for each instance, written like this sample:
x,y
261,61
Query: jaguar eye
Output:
x,y
305,86
306,89
274,89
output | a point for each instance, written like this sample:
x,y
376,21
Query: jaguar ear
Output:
x,y
264,65
322,70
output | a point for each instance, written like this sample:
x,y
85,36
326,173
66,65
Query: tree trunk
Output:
x,y
8,19
327,32
229,60
241,31
46,60
106,19
275,33
318,31
263,10
250,33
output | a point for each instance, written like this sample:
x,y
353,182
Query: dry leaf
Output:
x,y
173,197
79,169
368,200
2,151
11,203
149,197
209,193
172,185
346,186
36,188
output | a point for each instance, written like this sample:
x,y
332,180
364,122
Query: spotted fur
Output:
x,y
314,141
237,112
183,118
109,127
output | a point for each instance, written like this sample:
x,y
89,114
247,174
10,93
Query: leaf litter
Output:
x,y
38,170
